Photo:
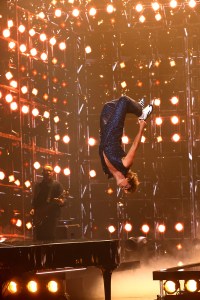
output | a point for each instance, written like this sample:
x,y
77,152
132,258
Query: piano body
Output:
x,y
24,257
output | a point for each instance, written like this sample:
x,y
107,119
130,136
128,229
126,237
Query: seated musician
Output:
x,y
46,205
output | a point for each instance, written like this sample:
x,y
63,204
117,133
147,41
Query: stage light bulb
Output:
x,y
56,119
13,106
54,61
172,63
176,137
139,7
35,112
62,46
128,227
19,223
75,12
174,120
143,139
110,8
88,49
170,287
22,48
125,139
157,102
9,75
92,173
32,32
34,91
191,286
192,3
52,41
173,3
57,169
25,109
10,23
9,98
11,45
174,100
111,228
92,11
6,33
123,84
41,15
2,175
109,191
12,287
17,182
28,225
158,121
21,28
27,183
43,56
57,137
58,13
52,286
24,89
14,84
161,228
43,37
36,165
32,286
179,227
142,19
145,228
91,141
158,17
159,139
46,114
122,65
11,178
66,171
155,5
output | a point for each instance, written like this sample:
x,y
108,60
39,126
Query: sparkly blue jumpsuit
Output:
x,y
111,129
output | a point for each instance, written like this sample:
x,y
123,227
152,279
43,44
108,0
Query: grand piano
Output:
x,y
24,257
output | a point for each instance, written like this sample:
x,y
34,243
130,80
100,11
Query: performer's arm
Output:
x,y
128,159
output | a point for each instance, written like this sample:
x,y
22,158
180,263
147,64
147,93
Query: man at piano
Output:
x,y
46,206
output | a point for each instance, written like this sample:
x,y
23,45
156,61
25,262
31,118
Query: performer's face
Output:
x,y
47,174
124,185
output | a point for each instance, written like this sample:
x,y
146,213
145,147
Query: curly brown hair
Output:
x,y
133,181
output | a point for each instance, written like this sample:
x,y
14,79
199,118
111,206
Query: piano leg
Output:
x,y
107,273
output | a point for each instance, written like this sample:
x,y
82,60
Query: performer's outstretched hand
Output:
x,y
142,124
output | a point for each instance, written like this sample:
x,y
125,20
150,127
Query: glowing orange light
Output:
x,y
111,228
128,227
32,32
9,75
6,33
155,5
174,120
21,28
179,227
110,8
52,41
174,100
36,165
11,45
43,56
35,112
159,121
92,11
92,173
139,7
25,109
176,137
145,228
13,83
125,139
75,12
43,37
33,52
58,13
2,175
22,48
13,106
24,89
9,98
62,46
161,228
91,141
57,169
66,171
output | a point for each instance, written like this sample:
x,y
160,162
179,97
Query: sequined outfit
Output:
x,y
111,129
